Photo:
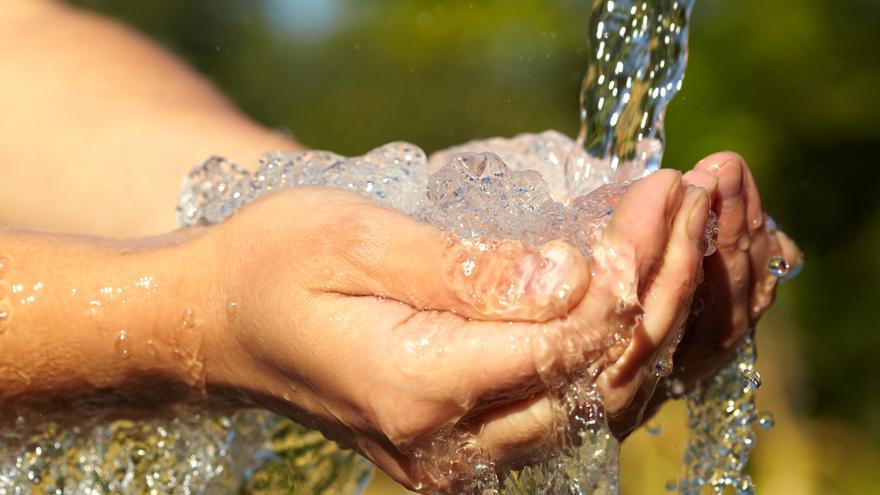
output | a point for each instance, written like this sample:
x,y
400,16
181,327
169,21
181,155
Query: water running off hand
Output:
x,y
534,188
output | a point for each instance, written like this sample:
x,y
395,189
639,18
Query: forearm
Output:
x,y
99,125
98,319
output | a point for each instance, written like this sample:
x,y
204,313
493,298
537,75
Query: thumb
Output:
x,y
427,268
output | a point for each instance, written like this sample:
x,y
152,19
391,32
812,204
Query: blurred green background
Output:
x,y
793,86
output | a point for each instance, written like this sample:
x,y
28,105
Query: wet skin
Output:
x,y
355,319
381,374
738,287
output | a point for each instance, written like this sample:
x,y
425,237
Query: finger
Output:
x,y
486,361
792,255
667,301
636,237
384,252
754,209
512,435
392,462
728,271
705,180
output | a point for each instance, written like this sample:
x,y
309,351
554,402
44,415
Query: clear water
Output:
x,y
721,419
638,54
532,187
474,195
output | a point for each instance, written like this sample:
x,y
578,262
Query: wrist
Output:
x,y
114,322
248,362
184,313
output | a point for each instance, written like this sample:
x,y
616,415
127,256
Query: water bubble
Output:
x,y
123,344
152,351
663,364
671,485
468,267
5,264
4,317
231,308
653,428
753,377
778,266
675,388
766,421
188,318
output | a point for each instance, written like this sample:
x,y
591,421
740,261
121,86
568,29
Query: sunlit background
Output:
x,y
793,86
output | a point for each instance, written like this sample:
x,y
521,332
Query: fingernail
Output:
x,y
730,182
703,179
698,215
673,196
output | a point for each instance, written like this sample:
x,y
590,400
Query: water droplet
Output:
x,y
468,267
123,344
766,421
753,377
188,318
152,351
4,317
663,364
5,263
778,266
671,485
231,308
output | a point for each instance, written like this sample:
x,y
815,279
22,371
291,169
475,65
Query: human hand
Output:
x,y
738,287
375,328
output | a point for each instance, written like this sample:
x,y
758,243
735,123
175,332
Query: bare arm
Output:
x,y
99,125
119,322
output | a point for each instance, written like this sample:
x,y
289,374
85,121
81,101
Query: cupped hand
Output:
x,y
382,331
739,286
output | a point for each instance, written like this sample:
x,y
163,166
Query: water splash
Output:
x,y
721,416
638,54
778,266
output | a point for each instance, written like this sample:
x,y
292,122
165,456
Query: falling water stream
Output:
x,y
637,60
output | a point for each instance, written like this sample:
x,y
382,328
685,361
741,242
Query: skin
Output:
x,y
343,315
